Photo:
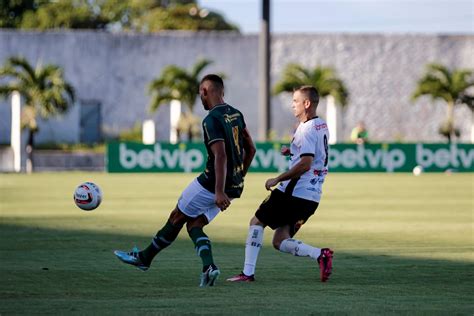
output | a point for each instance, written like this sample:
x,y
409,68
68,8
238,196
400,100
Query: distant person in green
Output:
x,y
359,134
230,151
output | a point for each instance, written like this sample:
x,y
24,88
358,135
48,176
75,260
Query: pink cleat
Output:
x,y
325,263
242,278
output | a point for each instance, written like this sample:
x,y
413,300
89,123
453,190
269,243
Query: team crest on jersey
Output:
x,y
229,118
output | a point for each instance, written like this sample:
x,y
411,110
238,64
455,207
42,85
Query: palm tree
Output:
x,y
44,90
450,86
324,79
176,83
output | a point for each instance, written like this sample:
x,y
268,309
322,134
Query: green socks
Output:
x,y
203,246
163,239
168,234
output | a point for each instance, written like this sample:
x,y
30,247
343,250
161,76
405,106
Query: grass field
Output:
x,y
403,245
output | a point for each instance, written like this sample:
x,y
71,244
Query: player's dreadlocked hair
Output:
x,y
311,93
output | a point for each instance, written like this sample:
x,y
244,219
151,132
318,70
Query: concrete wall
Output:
x,y
380,72
52,160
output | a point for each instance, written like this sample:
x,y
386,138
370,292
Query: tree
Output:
x,y
182,17
450,86
11,12
176,83
133,15
44,90
324,79
65,14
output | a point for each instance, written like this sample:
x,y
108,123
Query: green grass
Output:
x,y
403,245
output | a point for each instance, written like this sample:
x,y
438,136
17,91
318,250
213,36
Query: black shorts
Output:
x,y
280,209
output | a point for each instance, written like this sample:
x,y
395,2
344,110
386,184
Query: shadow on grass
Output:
x,y
70,271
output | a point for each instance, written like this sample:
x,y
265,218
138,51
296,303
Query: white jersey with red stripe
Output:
x,y
310,139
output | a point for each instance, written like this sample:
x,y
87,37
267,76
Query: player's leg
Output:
x,y
283,238
202,243
163,238
282,241
198,204
168,233
253,245
267,214
201,240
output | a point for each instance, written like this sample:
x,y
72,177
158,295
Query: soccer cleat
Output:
x,y
325,263
132,258
242,278
209,277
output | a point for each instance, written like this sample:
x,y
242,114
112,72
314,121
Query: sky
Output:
x,y
370,16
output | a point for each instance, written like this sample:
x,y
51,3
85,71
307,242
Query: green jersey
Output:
x,y
224,123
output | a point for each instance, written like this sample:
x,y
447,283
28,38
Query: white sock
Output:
x,y
299,249
252,248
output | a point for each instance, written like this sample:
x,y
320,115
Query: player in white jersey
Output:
x,y
298,193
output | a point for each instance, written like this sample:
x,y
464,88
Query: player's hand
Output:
x,y
285,151
271,183
222,200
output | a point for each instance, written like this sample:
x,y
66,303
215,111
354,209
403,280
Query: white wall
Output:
x,y
379,70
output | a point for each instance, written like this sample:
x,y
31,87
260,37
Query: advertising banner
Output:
x,y
191,157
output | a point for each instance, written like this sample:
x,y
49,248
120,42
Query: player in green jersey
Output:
x,y
230,151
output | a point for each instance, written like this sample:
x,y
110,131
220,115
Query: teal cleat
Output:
x,y
131,258
210,276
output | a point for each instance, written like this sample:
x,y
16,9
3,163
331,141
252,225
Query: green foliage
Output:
x,y
12,11
398,250
71,14
134,15
448,130
189,124
439,82
44,89
176,83
186,17
450,86
324,79
133,134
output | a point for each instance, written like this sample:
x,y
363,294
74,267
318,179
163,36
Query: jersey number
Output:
x,y
235,131
326,150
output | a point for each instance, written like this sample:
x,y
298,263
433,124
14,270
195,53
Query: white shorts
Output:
x,y
196,200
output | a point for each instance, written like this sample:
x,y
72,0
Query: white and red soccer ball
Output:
x,y
87,196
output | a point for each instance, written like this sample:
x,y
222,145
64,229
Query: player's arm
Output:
x,y
249,150
220,167
299,169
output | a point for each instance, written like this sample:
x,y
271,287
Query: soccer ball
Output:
x,y
418,170
88,196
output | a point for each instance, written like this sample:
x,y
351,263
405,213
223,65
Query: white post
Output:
x,y
472,127
175,114
148,132
15,140
334,120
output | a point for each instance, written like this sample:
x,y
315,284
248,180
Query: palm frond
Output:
x,y
468,100
176,83
439,83
22,63
441,72
44,89
324,79
159,98
198,67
